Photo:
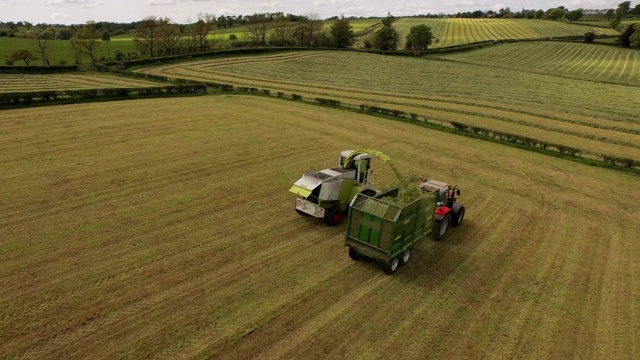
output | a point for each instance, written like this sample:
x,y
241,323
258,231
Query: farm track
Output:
x,y
591,134
128,231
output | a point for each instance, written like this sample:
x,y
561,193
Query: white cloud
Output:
x,y
67,2
59,16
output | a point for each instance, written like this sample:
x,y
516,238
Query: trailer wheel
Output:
x,y
458,216
406,255
333,217
441,227
353,254
392,266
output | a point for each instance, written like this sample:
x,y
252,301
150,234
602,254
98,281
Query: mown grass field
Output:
x,y
454,31
582,61
164,228
81,81
595,117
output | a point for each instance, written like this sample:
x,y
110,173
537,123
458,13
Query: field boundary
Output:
x,y
57,69
43,98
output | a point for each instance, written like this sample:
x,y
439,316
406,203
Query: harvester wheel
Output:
x,y
458,216
441,227
333,216
392,266
406,255
353,254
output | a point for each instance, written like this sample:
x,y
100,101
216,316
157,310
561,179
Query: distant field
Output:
x,y
454,31
25,83
595,117
583,61
60,50
164,229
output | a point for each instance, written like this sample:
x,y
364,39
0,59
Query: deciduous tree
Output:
x,y
419,38
281,31
258,25
387,38
147,35
21,54
574,15
341,34
87,41
42,40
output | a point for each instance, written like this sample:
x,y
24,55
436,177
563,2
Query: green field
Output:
x,y
454,31
60,50
593,116
164,229
577,60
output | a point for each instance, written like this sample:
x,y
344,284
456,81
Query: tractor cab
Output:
x,y
360,164
447,210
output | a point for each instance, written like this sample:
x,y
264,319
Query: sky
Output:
x,y
182,11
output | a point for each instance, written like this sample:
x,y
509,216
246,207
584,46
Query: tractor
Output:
x,y
448,211
327,193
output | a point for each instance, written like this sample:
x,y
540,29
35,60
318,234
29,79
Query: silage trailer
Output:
x,y
384,229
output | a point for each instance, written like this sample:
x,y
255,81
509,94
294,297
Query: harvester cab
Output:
x,y
327,193
448,210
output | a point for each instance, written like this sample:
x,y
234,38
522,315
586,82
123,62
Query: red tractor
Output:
x,y
448,211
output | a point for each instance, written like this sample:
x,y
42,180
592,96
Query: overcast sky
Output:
x,y
80,11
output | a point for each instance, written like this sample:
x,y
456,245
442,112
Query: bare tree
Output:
x,y
168,37
86,42
42,40
258,26
311,28
200,30
281,31
147,35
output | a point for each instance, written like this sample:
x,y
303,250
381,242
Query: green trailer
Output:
x,y
385,228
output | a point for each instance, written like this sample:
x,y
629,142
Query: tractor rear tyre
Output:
x,y
404,258
441,227
458,217
353,254
333,216
392,266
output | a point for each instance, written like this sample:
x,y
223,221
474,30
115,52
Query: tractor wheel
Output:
x,y
333,216
404,259
392,266
458,217
353,254
441,227
302,212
